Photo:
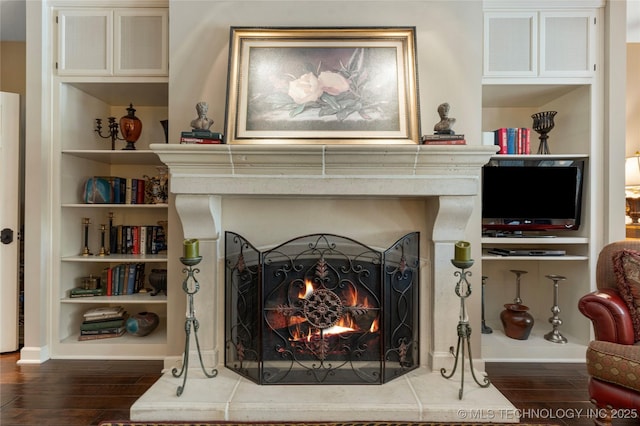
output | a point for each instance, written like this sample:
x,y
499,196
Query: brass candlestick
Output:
x,y
103,251
85,223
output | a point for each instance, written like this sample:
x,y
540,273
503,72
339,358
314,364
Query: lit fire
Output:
x,y
345,324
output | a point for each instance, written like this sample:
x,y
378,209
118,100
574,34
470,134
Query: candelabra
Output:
x,y
190,286
113,131
463,290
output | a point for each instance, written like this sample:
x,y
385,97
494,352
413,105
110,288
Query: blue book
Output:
x,y
131,279
512,137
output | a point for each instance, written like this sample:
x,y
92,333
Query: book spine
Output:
x,y
200,140
511,141
201,134
110,282
102,325
140,193
445,142
143,239
501,140
131,279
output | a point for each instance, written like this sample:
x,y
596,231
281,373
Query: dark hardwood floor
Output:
x,y
74,393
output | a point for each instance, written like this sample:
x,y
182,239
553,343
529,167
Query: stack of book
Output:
x,y
201,137
103,323
443,140
86,292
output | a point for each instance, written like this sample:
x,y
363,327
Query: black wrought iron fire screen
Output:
x,y
321,309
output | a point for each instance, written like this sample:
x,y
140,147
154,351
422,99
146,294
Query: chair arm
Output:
x,y
609,315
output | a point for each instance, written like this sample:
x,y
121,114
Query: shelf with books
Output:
x,y
114,258
125,299
131,157
157,337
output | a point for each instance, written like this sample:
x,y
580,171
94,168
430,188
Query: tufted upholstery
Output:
x,y
613,359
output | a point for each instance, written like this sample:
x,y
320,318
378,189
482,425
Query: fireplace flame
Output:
x,y
308,290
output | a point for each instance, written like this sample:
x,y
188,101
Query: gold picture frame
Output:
x,y
322,86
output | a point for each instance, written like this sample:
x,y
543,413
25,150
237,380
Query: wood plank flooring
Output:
x,y
84,393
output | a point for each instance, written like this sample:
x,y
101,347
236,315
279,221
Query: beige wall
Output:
x,y
633,98
13,67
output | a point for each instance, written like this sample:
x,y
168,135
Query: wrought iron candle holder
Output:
x,y
543,123
113,131
463,290
190,286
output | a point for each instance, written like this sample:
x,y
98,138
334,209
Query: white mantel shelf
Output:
x,y
323,170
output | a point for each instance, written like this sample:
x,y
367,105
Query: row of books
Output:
x,y
513,140
103,323
122,279
137,239
201,137
115,190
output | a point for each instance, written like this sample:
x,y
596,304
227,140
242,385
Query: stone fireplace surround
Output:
x,y
447,177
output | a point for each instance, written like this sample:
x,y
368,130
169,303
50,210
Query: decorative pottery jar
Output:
x,y
156,188
158,280
131,127
517,321
143,323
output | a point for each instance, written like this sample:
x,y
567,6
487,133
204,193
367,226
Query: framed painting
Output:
x,y
322,86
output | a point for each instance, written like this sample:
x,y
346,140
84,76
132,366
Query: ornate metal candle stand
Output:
x,y
554,335
543,123
190,286
463,290
113,131
485,328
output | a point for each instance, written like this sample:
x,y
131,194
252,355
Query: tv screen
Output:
x,y
532,197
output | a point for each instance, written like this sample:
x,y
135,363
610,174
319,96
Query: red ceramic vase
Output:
x,y
517,321
131,127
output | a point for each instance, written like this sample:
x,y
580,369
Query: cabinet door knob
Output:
x,y
6,236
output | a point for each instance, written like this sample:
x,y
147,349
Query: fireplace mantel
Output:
x,y
321,170
445,178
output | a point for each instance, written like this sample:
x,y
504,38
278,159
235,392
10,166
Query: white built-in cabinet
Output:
x,y
108,58
539,60
531,43
113,42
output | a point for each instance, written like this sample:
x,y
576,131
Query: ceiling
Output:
x,y
13,20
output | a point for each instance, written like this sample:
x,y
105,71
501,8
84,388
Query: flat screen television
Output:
x,y
532,195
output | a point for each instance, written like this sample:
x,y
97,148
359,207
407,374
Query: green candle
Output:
x,y
191,248
462,251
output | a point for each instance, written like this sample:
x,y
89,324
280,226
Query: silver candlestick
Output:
x,y
554,335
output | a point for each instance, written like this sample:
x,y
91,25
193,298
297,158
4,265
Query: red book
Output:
x,y
140,192
135,231
185,139
109,291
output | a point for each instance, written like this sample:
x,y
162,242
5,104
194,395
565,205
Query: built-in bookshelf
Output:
x,y
511,95
84,90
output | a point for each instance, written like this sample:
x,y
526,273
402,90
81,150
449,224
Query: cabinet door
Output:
x,y
567,44
141,42
85,41
510,44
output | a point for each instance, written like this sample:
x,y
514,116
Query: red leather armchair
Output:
x,y
612,322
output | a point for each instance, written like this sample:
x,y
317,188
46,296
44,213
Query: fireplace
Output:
x,y
371,193
321,309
